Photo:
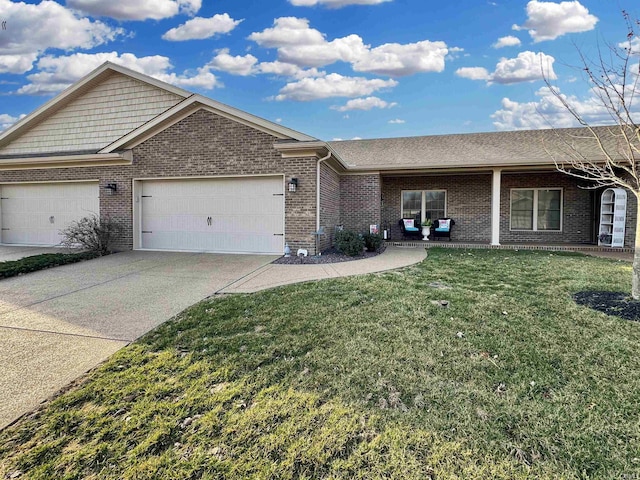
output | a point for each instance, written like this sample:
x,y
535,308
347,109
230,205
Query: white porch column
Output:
x,y
495,206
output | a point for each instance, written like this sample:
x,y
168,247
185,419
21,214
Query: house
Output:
x,y
183,172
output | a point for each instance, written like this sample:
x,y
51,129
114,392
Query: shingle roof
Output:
x,y
499,149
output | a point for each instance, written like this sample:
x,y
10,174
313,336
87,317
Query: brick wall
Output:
x,y
578,214
468,203
329,204
360,201
203,144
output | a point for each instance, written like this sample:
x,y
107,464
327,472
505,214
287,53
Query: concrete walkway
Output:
x,y
274,275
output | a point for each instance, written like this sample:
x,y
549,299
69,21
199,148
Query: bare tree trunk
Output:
x,y
635,284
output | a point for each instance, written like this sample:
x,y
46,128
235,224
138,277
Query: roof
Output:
x,y
186,100
476,150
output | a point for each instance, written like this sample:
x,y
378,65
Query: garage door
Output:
x,y
34,214
231,215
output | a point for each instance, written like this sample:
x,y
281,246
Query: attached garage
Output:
x,y
34,214
223,215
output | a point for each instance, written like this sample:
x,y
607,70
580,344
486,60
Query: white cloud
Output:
x,y
333,85
548,111
57,73
299,44
526,67
508,41
36,28
367,103
549,20
199,28
398,60
288,31
283,69
136,10
335,3
397,121
346,49
473,73
238,65
632,45
7,120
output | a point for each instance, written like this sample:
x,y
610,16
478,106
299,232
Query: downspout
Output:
x,y
318,189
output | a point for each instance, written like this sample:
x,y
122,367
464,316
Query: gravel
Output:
x,y
328,256
618,304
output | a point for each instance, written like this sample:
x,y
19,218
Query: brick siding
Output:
x,y
468,203
202,144
360,201
329,205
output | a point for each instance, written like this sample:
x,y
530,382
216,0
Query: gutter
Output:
x,y
320,160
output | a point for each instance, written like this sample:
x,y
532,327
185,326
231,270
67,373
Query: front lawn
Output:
x,y
365,377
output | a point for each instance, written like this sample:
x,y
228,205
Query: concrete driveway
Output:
x,y
56,324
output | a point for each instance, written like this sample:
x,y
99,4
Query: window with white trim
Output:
x,y
424,204
536,209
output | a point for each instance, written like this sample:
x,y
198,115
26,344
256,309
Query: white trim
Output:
x,y
137,207
496,184
535,209
64,161
29,182
423,201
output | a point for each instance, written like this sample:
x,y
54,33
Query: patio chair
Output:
x,y
441,228
409,228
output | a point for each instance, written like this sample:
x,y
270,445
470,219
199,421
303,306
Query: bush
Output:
x,y
373,241
94,234
40,262
350,243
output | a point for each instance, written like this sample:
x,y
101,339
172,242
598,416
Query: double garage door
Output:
x,y
34,214
230,215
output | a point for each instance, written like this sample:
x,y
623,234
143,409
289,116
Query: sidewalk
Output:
x,y
274,275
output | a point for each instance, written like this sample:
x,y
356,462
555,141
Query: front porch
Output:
x,y
559,247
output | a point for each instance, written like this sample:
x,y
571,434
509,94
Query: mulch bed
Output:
x,y
618,304
328,256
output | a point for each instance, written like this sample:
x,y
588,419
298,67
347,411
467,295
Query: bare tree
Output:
x,y
607,156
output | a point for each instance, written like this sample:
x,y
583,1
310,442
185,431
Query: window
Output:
x,y
537,209
424,204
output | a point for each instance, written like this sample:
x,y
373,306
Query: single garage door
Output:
x,y
230,215
34,214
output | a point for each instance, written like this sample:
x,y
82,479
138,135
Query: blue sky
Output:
x,y
329,68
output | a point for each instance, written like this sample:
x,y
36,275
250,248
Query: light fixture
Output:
x,y
112,187
293,184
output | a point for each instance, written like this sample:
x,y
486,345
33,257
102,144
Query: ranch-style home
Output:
x,y
183,172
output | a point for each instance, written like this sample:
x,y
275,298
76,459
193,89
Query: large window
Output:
x,y
536,209
424,204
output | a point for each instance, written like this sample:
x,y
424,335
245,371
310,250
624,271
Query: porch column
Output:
x,y
495,206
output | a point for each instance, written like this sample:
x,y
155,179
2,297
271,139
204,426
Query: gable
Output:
x,y
89,122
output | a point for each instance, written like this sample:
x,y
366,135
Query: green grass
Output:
x,y
13,268
365,378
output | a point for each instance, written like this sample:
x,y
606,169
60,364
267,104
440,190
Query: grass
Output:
x,y
13,268
365,377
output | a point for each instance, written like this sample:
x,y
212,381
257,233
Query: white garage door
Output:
x,y
34,214
235,215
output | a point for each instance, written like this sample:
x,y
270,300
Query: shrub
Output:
x,y
350,243
34,263
94,234
373,241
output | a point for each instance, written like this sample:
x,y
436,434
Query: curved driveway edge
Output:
x,y
275,275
